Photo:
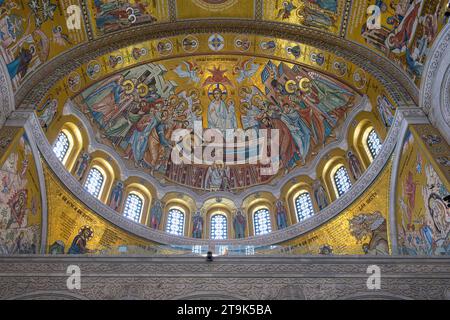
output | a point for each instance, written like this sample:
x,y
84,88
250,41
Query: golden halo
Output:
x,y
129,83
304,84
219,163
216,86
290,86
142,89
255,100
174,100
193,93
87,228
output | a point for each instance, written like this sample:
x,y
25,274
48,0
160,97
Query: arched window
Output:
x,y
303,206
342,181
373,143
94,182
261,221
219,227
175,222
61,146
133,207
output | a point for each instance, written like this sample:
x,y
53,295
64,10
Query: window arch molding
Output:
x,y
260,209
214,216
252,203
77,139
335,175
369,131
313,207
337,160
174,204
108,168
222,209
183,202
167,219
101,171
141,199
357,136
304,184
63,145
134,187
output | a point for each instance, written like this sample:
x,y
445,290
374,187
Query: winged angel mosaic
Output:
x,y
136,112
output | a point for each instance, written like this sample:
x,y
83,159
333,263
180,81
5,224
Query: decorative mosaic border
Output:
x,y
396,82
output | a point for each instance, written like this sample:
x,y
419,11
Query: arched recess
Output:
x,y
254,202
435,85
183,203
108,167
328,168
142,189
77,135
299,186
357,136
223,206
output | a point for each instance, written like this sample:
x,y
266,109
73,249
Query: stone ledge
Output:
x,y
253,277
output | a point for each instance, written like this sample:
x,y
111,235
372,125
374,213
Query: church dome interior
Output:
x,y
245,129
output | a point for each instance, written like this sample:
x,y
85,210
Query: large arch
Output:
x,y
6,93
435,87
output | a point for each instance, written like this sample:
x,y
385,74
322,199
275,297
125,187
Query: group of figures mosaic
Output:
x,y
137,110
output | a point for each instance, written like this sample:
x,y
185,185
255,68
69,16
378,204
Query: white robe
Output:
x,y
217,115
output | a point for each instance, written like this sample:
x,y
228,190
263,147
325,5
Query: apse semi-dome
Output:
x,y
139,111
150,124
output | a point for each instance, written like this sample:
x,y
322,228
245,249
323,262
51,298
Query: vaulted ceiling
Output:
x,y
316,51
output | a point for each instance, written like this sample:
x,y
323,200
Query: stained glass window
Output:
x,y
219,227
197,249
94,182
249,250
261,221
133,207
61,146
303,206
342,181
175,222
373,143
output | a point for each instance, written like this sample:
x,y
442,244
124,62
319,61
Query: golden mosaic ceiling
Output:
x,y
254,74
44,29
128,99
138,110
259,82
